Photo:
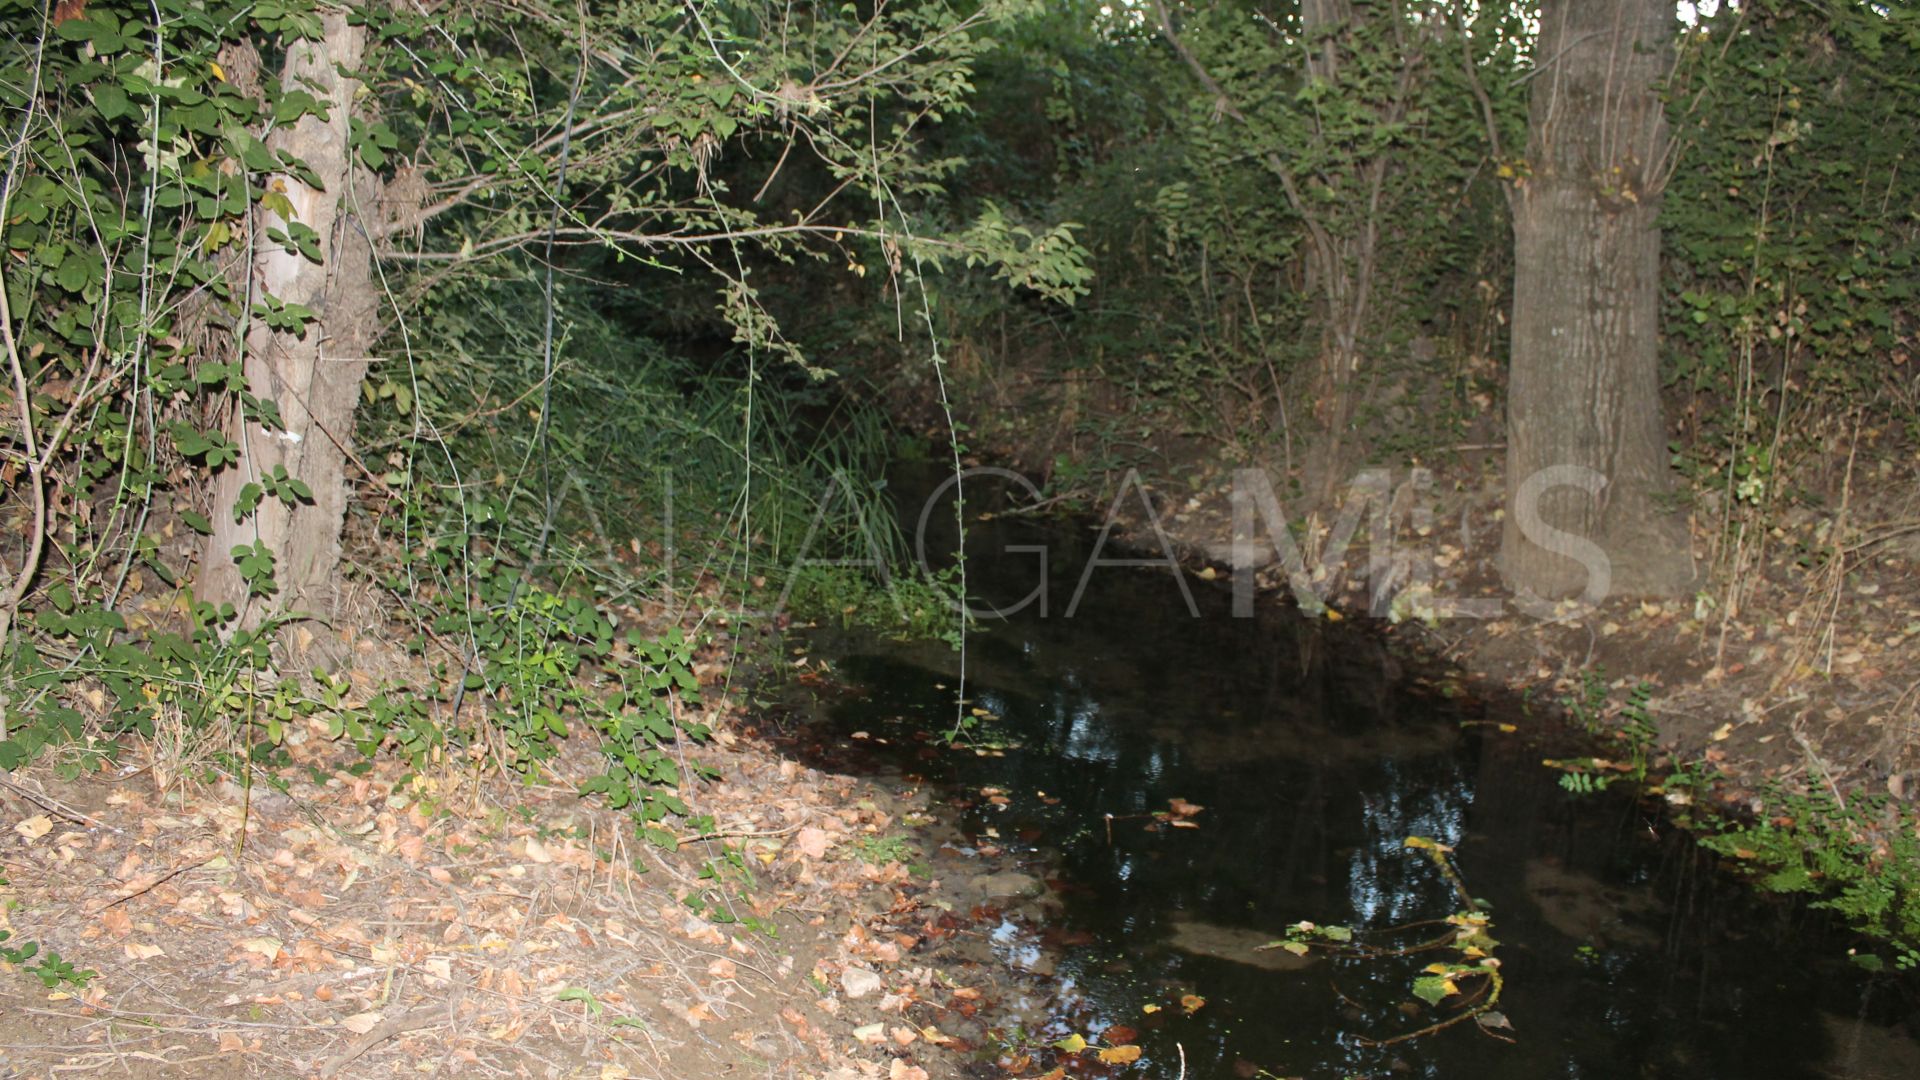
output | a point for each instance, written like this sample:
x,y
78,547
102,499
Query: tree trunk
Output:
x,y
1586,447
312,376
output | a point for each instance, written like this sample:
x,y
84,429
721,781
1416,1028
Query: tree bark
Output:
x,y
314,376
1586,448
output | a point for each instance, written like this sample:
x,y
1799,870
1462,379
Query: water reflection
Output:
x,y
1314,762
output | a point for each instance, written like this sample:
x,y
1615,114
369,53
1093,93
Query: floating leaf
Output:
x,y
1120,1055
1191,1003
1493,1019
1432,988
1072,1044
1182,808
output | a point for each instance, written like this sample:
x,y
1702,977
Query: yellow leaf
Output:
x,y
1072,1044
218,72
34,828
1120,1055
1334,616
1191,1003
1149,1008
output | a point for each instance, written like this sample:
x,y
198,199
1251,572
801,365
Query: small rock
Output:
x,y
1007,885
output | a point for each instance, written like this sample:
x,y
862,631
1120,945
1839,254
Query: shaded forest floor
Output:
x,y
341,920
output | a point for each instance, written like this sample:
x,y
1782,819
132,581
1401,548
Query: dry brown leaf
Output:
x,y
812,842
34,828
361,1023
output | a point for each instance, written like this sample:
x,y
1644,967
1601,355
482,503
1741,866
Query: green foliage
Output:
x,y
881,850
1788,227
142,184
51,969
1861,857
1468,937
1628,721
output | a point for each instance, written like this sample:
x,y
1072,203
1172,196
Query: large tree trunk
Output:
x,y
313,377
1586,448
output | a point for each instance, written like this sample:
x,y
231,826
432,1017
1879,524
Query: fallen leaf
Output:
x,y
361,1023
1072,1044
1191,1003
1493,1020
812,842
34,827
1120,1055
859,982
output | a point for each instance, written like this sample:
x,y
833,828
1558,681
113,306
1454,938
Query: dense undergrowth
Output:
x,y
563,509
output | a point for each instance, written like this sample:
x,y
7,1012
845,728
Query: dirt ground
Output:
x,y
370,925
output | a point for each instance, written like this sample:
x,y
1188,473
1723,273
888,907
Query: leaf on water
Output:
x,y
1432,988
1120,1055
1191,1003
1336,933
1072,1044
1149,1009
1493,1019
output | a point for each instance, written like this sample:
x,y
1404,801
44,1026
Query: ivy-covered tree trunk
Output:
x,y
308,376
1586,448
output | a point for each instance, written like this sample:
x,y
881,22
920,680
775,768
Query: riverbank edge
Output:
x,y
1671,695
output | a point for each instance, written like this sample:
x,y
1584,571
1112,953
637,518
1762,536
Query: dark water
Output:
x,y
1315,754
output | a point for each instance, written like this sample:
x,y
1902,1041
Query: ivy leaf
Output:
x,y
112,101
295,104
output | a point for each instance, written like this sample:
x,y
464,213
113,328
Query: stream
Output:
x,y
1314,750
